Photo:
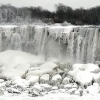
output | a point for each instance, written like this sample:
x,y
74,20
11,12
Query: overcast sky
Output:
x,y
49,4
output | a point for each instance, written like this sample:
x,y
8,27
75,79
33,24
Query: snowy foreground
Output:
x,y
25,76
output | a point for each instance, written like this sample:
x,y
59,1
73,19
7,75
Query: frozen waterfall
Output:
x,y
71,43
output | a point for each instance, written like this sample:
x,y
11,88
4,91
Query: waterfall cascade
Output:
x,y
71,43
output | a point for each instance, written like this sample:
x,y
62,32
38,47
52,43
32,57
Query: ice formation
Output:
x,y
71,43
16,63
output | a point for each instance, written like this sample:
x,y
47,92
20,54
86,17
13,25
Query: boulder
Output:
x,y
66,80
79,92
93,90
45,87
56,79
32,79
20,83
91,67
97,77
45,68
78,66
44,79
84,78
72,90
1,80
68,86
12,90
54,88
35,90
87,67
65,66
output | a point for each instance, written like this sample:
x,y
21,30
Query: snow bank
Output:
x,y
17,63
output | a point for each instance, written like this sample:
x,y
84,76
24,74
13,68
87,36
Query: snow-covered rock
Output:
x,y
91,67
72,90
79,92
35,90
54,88
2,84
45,68
32,79
20,83
66,80
78,66
44,78
45,87
56,79
96,85
87,67
1,80
93,90
68,86
12,90
96,77
82,77
65,66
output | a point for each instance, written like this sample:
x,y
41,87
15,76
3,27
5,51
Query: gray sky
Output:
x,y
49,4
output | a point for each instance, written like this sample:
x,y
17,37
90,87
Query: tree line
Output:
x,y
62,13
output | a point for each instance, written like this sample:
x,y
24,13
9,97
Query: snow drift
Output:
x,y
16,63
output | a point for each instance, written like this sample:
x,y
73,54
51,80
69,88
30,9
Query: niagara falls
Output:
x,y
49,50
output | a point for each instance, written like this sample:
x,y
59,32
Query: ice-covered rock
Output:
x,y
54,88
78,66
91,67
96,85
65,66
45,68
45,87
35,90
12,90
79,92
72,90
3,84
66,80
68,86
75,85
8,83
24,94
96,77
1,80
62,90
93,90
20,83
97,70
56,79
87,67
32,79
82,77
44,78
7,94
